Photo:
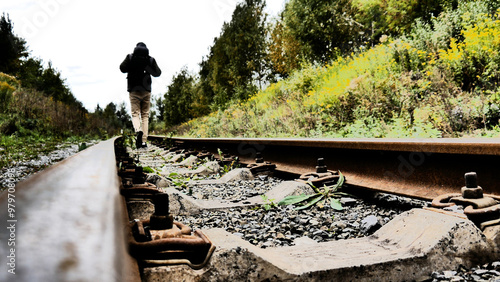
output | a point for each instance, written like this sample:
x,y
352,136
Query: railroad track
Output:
x,y
67,222
418,168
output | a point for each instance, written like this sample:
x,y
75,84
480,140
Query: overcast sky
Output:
x,y
86,40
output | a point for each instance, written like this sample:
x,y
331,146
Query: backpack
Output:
x,y
138,63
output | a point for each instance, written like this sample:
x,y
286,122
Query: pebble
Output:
x,y
236,191
487,272
369,223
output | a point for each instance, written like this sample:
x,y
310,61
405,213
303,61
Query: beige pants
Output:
x,y
140,103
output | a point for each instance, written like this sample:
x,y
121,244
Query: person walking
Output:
x,y
139,67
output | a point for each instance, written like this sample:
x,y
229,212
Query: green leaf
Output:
x,y
336,205
147,169
290,200
341,179
339,183
310,203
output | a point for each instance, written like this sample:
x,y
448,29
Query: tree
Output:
x,y
47,80
201,102
53,85
284,50
98,110
114,118
123,116
323,29
110,111
236,62
179,97
160,106
30,72
395,17
12,48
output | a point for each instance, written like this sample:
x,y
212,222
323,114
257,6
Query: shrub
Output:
x,y
8,84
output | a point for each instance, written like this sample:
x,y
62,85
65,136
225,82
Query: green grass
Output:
x,y
15,149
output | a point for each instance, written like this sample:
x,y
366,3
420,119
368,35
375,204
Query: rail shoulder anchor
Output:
x,y
162,241
483,210
321,177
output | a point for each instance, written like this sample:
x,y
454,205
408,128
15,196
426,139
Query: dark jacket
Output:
x,y
140,67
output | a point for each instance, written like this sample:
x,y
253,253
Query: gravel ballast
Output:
x,y
272,225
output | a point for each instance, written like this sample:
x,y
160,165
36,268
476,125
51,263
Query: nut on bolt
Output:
x,y
161,219
471,189
259,159
321,167
260,166
322,176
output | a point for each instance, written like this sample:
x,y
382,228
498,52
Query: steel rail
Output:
x,y
69,223
422,168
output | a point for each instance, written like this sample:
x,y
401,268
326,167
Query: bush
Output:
x,y
8,84
8,127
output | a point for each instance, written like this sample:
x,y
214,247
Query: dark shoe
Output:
x,y
138,140
144,145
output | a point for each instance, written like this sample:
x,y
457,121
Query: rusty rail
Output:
x,y
69,223
423,168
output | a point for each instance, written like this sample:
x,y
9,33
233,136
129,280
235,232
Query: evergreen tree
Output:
x,y
160,105
179,97
12,48
123,117
98,110
236,63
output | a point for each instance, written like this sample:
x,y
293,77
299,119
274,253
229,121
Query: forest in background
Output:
x,y
37,108
344,68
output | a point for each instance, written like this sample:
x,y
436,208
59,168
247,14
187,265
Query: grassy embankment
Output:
x,y
439,81
33,124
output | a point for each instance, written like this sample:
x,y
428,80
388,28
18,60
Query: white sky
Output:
x,y
86,40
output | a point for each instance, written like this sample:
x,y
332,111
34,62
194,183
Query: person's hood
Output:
x,y
141,50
